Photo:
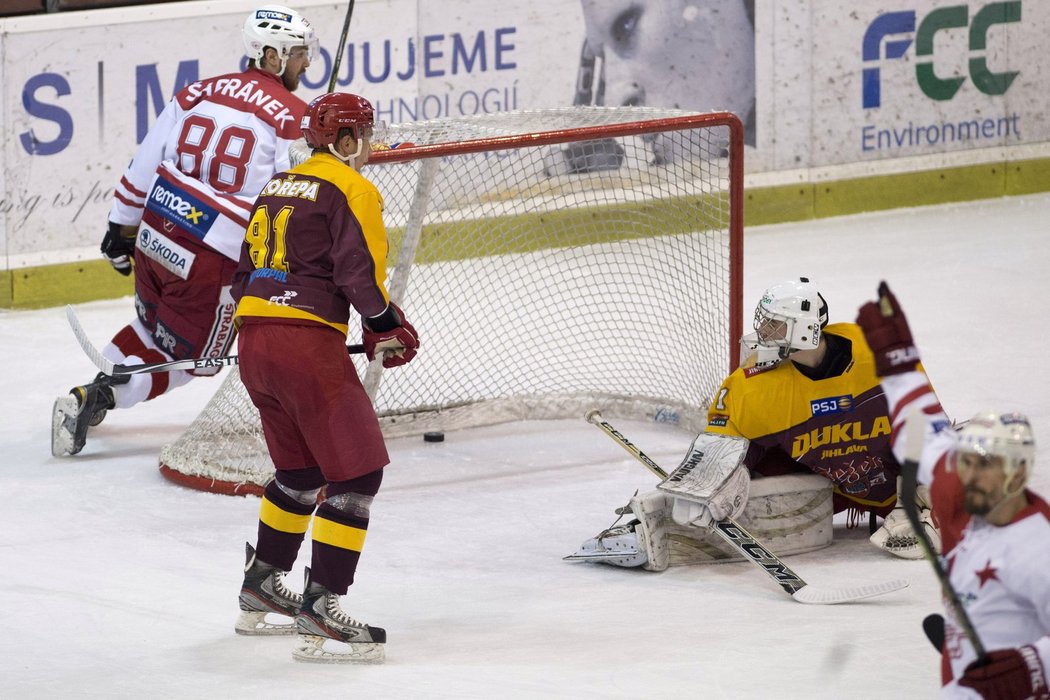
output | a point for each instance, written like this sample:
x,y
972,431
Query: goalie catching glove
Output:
x,y
897,536
389,336
711,484
118,247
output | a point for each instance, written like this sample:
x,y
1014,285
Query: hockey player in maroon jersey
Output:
x,y
315,247
995,532
180,211
807,400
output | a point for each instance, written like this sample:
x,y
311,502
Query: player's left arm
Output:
x,y
359,259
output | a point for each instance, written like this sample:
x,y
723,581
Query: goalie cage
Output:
x,y
552,261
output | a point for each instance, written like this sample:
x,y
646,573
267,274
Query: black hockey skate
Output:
x,y
84,407
264,595
328,635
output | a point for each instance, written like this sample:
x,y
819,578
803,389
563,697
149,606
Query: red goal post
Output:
x,y
553,261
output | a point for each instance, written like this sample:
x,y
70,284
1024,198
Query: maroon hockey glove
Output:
x,y
118,248
888,335
393,337
1008,674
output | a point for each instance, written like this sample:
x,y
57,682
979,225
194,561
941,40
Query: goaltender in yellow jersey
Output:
x,y
824,410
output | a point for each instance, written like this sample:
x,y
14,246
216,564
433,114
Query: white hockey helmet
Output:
x,y
790,316
280,28
1005,435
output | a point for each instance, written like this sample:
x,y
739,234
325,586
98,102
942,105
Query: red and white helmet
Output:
x,y
1004,435
333,111
280,28
790,316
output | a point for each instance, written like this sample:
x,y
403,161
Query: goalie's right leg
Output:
x,y
639,542
790,513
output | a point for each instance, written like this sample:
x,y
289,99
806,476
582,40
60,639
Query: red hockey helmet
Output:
x,y
333,111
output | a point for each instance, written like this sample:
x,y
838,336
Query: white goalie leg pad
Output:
x,y
789,514
897,536
653,510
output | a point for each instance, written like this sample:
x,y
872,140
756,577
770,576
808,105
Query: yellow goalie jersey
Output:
x,y
832,419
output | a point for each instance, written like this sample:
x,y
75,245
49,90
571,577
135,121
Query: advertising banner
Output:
x,y
820,85
78,98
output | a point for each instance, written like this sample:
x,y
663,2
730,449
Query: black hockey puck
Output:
x,y
434,436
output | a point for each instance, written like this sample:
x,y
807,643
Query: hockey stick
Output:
x,y
914,434
342,44
753,550
114,369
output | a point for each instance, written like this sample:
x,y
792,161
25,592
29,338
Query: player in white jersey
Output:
x,y
180,212
995,533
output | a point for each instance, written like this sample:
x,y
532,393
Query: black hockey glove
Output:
x,y
118,249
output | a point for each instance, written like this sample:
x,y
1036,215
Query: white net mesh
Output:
x,y
550,268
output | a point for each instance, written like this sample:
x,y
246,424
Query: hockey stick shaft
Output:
x,y
342,45
914,435
111,368
729,530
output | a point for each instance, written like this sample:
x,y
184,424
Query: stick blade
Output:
x,y
814,595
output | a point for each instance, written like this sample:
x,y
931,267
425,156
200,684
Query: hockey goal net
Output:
x,y
552,262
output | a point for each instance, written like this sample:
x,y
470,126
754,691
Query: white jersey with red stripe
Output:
x,y
1000,573
211,151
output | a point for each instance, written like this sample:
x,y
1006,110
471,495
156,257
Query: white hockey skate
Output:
x,y
618,545
328,635
268,607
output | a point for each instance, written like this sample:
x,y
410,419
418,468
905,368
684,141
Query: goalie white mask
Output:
x,y
755,354
790,316
280,28
1007,436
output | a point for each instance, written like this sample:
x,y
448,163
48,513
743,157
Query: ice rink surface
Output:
x,y
118,584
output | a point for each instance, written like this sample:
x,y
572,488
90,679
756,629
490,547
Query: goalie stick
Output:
x,y
743,541
115,369
914,433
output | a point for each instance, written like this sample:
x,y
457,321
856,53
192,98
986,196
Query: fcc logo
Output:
x,y
892,34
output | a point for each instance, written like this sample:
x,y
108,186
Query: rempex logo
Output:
x,y
273,14
180,207
886,38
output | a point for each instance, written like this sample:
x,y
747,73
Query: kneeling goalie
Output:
x,y
799,432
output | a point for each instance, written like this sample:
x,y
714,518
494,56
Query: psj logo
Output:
x,y
831,404
892,25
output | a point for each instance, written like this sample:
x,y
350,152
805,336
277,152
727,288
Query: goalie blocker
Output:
x,y
791,514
